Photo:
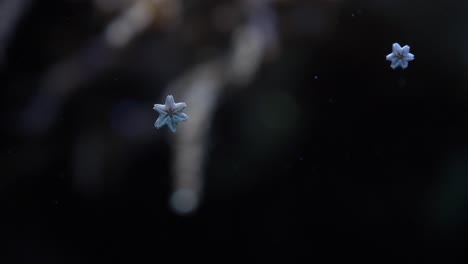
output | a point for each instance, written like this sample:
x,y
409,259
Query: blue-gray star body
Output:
x,y
400,56
170,113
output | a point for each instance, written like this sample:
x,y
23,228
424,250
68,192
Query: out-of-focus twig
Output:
x,y
10,13
251,42
202,86
137,18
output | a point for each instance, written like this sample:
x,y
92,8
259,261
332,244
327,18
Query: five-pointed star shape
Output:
x,y
170,113
400,56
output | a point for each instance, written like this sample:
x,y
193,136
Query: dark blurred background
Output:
x,y
302,142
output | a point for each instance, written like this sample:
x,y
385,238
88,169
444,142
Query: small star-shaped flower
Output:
x,y
170,113
400,56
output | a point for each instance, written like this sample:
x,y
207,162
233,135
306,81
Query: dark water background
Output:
x,y
325,153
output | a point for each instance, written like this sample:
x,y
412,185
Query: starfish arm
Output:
x,y
179,107
396,48
159,108
391,57
180,117
409,57
172,125
161,121
404,64
395,64
405,50
157,124
169,102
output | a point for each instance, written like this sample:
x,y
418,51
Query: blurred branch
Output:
x,y
10,14
202,86
138,17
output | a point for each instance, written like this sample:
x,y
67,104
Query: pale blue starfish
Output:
x,y
170,113
400,56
